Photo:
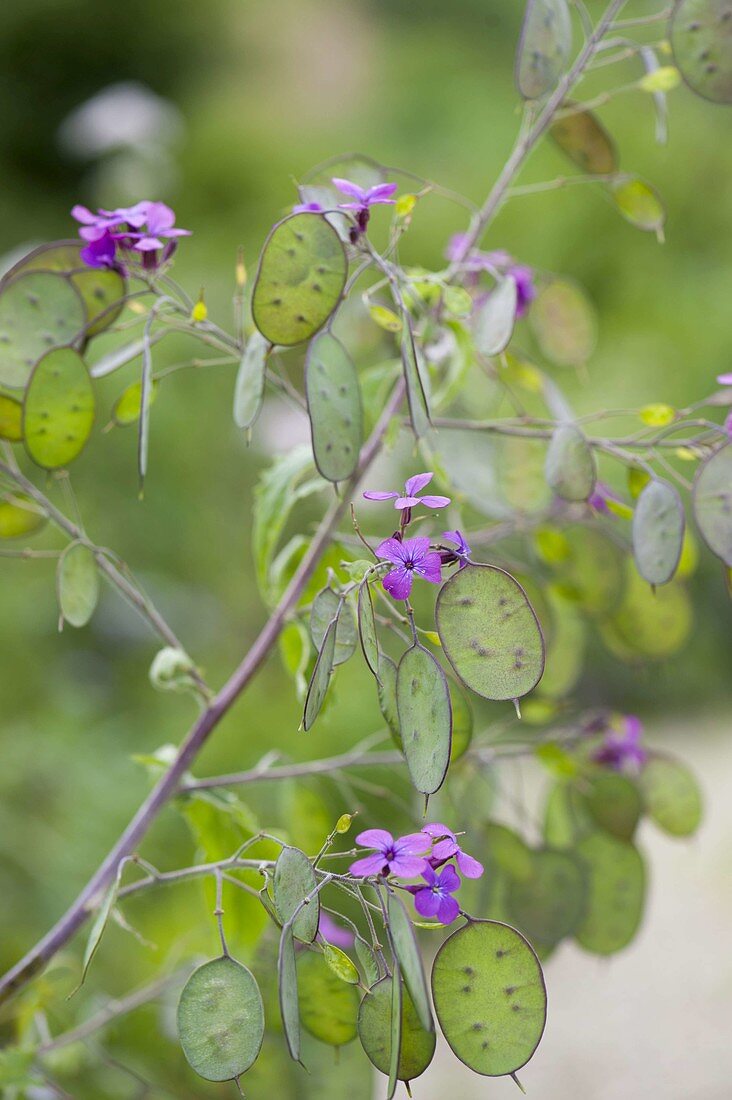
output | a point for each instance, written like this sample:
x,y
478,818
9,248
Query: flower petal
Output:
x,y
444,849
437,830
147,244
470,867
398,583
159,218
407,502
382,192
375,838
371,865
426,903
347,187
429,567
413,844
84,215
447,910
375,494
416,548
407,866
723,379
435,502
392,550
414,484
449,879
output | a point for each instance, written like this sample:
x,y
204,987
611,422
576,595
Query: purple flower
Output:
x,y
411,557
461,554
334,933
365,197
725,379
143,228
600,496
434,899
410,499
523,277
100,252
621,748
403,856
160,227
496,261
307,208
445,846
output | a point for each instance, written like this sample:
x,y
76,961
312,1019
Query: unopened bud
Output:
x,y
172,670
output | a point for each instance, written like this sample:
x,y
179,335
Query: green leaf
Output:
x,y
294,880
58,409
221,1020
615,804
320,678
38,311
701,40
544,47
367,628
249,385
334,407
77,584
489,996
341,965
712,502
570,464
425,718
671,793
564,324
616,879
301,276
417,1046
288,995
278,490
639,203
419,411
494,320
328,1006
549,905
19,516
11,418
583,138
658,531
385,318
327,606
99,925
407,952
490,633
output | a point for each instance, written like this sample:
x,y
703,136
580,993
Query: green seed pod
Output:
x,y
658,532
417,1046
570,464
38,311
221,1020
544,47
583,138
334,407
425,718
328,1006
294,880
701,39
58,409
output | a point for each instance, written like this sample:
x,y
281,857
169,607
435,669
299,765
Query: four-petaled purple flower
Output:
x,y
623,748
475,261
403,856
412,557
144,228
445,846
412,487
364,198
462,551
435,898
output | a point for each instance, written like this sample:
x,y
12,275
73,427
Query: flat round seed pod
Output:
x,y
11,418
563,321
616,893
221,1020
287,992
549,905
658,531
77,584
387,696
294,880
592,574
566,817
583,138
494,320
408,955
326,605
334,407
614,803
417,1046
565,650
302,272
639,203
320,678
19,516
712,503
58,409
328,1006
648,625
570,464
490,633
102,289
671,793
425,718
249,386
701,40
462,722
490,998
544,47
38,311
126,409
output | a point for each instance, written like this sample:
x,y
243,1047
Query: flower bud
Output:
x,y
172,670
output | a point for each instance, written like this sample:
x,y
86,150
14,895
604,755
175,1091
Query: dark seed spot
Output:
x,y
467,988
469,971
477,1026
317,288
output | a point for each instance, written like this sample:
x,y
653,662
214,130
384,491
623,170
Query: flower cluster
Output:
x,y
621,749
147,228
429,854
498,261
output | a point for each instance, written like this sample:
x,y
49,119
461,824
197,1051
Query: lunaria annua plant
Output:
x,y
408,580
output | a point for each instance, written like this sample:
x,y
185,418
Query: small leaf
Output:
x,y
671,793
77,584
616,893
328,1006
340,964
301,276
712,501
407,951
294,880
288,994
701,39
417,1046
582,137
425,718
327,606
658,532
494,320
570,464
221,1020
490,633
320,678
563,321
385,318
249,385
544,47
480,974
334,407
367,628
58,409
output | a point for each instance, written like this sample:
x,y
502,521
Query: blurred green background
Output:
x,y
253,93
